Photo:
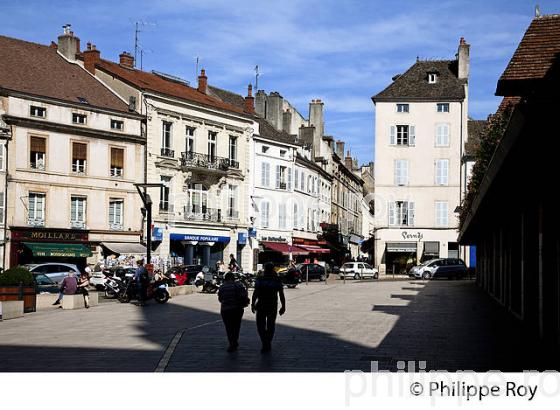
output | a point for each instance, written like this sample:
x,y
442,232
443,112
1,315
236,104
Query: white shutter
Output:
x,y
263,174
411,214
295,216
296,178
73,209
438,172
278,174
393,134
411,135
404,172
397,172
447,135
392,221
1,157
445,172
282,216
289,186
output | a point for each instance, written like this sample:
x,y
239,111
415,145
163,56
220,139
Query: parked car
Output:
x,y
98,280
120,272
45,284
312,271
358,270
450,268
54,271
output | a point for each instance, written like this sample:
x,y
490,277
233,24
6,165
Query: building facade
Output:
x,y
420,129
75,153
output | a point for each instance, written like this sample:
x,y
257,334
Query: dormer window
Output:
x,y
432,78
403,108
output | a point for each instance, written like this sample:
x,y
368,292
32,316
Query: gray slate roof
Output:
x,y
413,84
475,130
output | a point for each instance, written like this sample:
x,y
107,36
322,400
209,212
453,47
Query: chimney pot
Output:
x,y
91,56
202,81
126,60
68,44
250,100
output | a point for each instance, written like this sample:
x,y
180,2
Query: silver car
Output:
x,y
53,270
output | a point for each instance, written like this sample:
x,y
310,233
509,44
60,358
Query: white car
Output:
x,y
358,270
98,280
53,270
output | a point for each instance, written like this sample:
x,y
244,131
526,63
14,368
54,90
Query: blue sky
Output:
x,y
342,52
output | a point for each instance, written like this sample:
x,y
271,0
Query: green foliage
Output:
x,y
489,141
15,276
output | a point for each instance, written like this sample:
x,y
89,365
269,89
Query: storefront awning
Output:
x,y
61,250
401,246
314,249
284,248
125,248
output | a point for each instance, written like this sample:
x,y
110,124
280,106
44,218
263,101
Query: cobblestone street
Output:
x,y
452,325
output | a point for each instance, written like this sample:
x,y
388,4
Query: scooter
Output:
x,y
157,291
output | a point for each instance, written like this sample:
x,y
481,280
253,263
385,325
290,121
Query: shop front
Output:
x,y
400,257
197,249
36,245
318,250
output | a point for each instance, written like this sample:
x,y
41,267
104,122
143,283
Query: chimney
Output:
x,y
250,100
340,149
275,110
68,44
305,135
287,121
91,57
202,81
316,120
348,161
463,60
260,103
126,60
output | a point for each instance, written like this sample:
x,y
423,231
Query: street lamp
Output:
x,y
147,201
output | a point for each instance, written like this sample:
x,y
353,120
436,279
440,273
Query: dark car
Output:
x,y
451,268
45,284
312,271
185,274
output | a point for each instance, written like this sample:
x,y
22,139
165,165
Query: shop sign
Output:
x,y
273,239
241,238
252,232
48,235
198,238
418,236
157,234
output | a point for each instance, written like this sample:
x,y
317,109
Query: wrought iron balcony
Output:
x,y
196,160
78,224
167,152
36,222
232,214
204,214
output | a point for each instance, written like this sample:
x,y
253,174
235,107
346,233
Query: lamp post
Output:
x,y
147,201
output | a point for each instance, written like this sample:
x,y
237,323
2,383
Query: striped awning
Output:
x,y
401,246
284,248
314,249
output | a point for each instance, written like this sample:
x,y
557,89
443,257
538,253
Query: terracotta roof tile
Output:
x,y
152,82
39,70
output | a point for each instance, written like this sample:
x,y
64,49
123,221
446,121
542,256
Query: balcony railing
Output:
x,y
205,214
196,160
166,207
167,152
115,227
77,224
232,214
35,222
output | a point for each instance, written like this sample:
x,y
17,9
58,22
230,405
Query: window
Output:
x,y
432,78
35,111
283,153
38,153
442,135
116,207
117,162
36,209
282,216
197,201
78,212
265,174
443,107
442,171
442,214
302,187
189,146
295,216
212,137
403,135
401,172
79,118
164,194
282,177
401,213
79,157
2,208
265,207
232,202
2,155
265,149
296,178
403,108
166,139
117,125
232,149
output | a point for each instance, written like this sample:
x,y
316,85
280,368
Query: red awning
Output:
x,y
314,249
284,248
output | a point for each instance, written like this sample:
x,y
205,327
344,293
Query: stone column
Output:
x,y
189,253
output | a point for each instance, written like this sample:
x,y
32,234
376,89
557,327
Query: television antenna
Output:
x,y
139,27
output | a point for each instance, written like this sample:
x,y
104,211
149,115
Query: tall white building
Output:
x,y
420,132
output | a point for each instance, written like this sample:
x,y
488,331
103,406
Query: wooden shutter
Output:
x,y
79,151
393,134
38,144
117,158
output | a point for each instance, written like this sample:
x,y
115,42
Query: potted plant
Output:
x,y
18,284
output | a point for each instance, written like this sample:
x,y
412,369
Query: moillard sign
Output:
x,y
47,235
413,235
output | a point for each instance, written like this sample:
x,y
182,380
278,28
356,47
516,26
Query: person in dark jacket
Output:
x,y
142,279
265,302
233,298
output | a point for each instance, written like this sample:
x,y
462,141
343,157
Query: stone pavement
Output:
x,y
452,325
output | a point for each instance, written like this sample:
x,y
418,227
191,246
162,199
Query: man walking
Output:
x,y
233,298
265,303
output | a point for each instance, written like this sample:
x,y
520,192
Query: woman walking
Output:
x,y
233,298
83,284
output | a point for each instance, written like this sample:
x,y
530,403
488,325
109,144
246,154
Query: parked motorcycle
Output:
x,y
247,279
156,290
113,286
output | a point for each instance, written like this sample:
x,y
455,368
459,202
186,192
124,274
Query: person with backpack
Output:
x,y
265,302
233,299
142,278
